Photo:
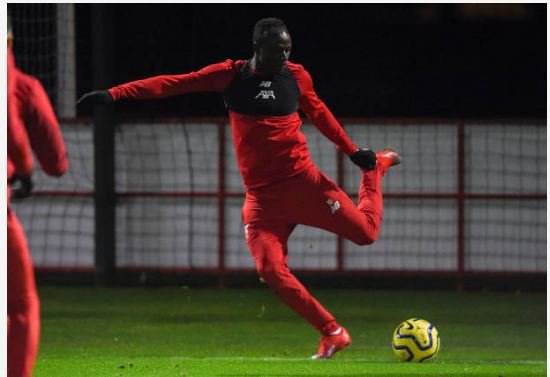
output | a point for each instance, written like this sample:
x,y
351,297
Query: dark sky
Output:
x,y
428,60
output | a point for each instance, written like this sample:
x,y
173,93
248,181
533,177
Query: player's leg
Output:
x,y
23,303
325,205
370,193
268,245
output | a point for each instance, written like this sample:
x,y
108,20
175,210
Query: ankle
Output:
x,y
330,328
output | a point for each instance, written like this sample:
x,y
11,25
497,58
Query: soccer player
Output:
x,y
284,187
31,123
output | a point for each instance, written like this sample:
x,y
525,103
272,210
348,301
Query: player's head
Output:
x,y
10,32
272,43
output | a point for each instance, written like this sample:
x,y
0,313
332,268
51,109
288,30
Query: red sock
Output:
x,y
329,328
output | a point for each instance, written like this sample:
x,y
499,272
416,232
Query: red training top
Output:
x,y
34,110
263,112
19,150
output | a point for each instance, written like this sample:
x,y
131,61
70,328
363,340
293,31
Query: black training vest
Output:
x,y
262,95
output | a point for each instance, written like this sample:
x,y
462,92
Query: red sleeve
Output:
x,y
318,112
43,129
212,78
19,151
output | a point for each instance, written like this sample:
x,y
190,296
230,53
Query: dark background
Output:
x,y
412,60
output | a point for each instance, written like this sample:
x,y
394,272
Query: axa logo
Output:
x,y
265,94
334,205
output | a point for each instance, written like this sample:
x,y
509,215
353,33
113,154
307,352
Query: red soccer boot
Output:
x,y
388,158
330,344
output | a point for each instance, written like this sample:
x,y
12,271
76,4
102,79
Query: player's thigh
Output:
x,y
267,242
326,206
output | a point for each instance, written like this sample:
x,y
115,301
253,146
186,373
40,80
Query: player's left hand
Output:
x,y
22,187
97,97
364,158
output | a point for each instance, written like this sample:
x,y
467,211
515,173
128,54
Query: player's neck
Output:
x,y
254,65
256,69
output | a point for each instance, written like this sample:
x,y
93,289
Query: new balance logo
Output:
x,y
265,94
265,84
334,205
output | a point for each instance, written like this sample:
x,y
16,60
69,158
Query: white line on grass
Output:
x,y
302,359
351,360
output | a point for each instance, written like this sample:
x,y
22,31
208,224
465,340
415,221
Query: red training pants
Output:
x,y
23,303
270,214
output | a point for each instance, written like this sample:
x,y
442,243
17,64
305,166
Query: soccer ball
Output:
x,y
415,340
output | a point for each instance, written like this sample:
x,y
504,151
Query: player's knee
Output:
x,y
23,306
18,320
365,239
272,274
362,234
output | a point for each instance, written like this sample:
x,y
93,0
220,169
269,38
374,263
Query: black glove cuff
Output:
x,y
364,158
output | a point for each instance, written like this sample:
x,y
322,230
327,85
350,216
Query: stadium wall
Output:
x,y
469,200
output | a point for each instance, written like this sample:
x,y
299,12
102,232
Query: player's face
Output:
x,y
274,52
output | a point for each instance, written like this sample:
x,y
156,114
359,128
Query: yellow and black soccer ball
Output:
x,y
415,340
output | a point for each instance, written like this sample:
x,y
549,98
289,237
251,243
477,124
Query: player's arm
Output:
x,y
19,150
212,78
44,133
324,120
19,155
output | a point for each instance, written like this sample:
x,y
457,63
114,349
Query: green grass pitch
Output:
x,y
187,332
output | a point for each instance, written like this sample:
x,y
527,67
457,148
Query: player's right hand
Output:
x,y
364,158
22,187
97,97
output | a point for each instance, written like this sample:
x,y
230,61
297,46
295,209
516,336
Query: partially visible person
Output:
x,y
31,124
19,151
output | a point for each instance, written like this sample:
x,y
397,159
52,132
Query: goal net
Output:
x,y
44,46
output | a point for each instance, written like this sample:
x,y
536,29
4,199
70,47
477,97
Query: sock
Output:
x,y
331,328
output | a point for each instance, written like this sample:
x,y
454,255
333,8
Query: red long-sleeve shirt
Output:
x,y
262,111
19,150
32,126
34,110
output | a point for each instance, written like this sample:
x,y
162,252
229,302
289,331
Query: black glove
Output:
x,y
97,97
22,187
364,158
